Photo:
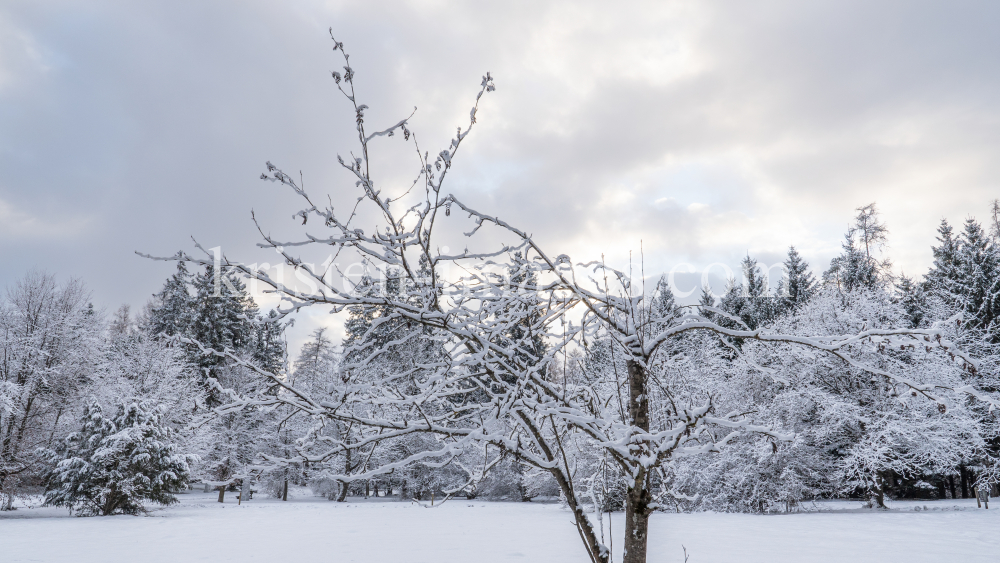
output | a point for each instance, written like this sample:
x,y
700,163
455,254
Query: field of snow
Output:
x,y
313,529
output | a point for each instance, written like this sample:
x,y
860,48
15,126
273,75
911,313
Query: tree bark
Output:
x,y
638,496
284,490
222,493
597,552
347,471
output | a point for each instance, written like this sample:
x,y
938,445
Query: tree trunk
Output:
x,y
222,493
638,497
597,552
347,471
877,492
965,481
637,521
284,490
6,498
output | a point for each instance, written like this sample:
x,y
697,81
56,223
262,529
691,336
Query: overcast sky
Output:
x,y
701,131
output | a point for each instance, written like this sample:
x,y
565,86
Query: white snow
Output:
x,y
314,529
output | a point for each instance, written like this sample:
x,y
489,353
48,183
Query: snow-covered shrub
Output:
x,y
113,465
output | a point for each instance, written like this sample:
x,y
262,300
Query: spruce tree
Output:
x,y
979,279
664,306
268,343
113,466
173,308
224,319
911,297
749,301
943,279
218,312
798,283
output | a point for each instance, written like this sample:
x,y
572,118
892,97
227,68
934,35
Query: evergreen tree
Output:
x,y
858,267
317,363
943,279
706,298
995,221
224,316
798,283
911,297
664,306
750,301
173,307
366,328
269,344
113,466
523,280
979,279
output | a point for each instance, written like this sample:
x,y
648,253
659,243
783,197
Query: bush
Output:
x,y
112,466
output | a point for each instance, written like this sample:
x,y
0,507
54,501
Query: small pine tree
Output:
x,y
798,283
749,301
979,278
113,466
664,306
913,301
943,278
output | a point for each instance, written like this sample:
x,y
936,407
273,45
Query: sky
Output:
x,y
684,134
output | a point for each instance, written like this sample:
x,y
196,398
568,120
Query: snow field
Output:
x,y
314,529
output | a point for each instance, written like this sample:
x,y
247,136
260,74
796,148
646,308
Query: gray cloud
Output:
x,y
703,130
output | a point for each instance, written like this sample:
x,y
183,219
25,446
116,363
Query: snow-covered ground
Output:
x,y
313,529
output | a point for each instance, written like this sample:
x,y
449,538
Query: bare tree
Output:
x,y
49,338
487,309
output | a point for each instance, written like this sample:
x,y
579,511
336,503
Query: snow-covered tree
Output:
x,y
173,309
750,302
978,289
485,391
49,344
913,301
943,278
115,465
214,308
139,366
859,265
797,284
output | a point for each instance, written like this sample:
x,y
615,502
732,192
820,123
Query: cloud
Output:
x,y
692,132
17,225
